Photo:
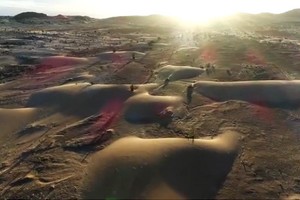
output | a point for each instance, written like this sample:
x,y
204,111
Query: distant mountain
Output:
x,y
41,18
151,20
292,13
247,20
29,15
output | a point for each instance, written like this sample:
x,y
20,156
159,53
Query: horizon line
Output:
x,y
139,15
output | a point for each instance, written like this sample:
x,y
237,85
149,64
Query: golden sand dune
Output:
x,y
15,119
72,93
55,95
161,168
269,93
80,99
178,72
145,108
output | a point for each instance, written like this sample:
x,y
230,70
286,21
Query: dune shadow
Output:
x,y
202,174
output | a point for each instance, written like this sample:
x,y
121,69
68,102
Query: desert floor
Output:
x,y
65,96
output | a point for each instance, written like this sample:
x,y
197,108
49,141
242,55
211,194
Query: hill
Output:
x,y
41,18
29,15
151,20
292,13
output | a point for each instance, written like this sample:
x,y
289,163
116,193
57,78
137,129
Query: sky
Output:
x,y
179,8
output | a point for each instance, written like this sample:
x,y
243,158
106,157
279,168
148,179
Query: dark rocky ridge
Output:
x,y
29,15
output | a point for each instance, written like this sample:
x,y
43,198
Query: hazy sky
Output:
x,y
107,8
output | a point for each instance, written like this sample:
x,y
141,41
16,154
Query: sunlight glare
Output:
x,y
197,12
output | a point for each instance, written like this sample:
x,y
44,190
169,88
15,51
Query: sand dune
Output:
x,y
145,108
81,99
279,93
178,72
68,93
161,168
15,119
55,95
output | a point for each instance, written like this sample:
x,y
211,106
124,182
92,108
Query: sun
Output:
x,y
200,11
